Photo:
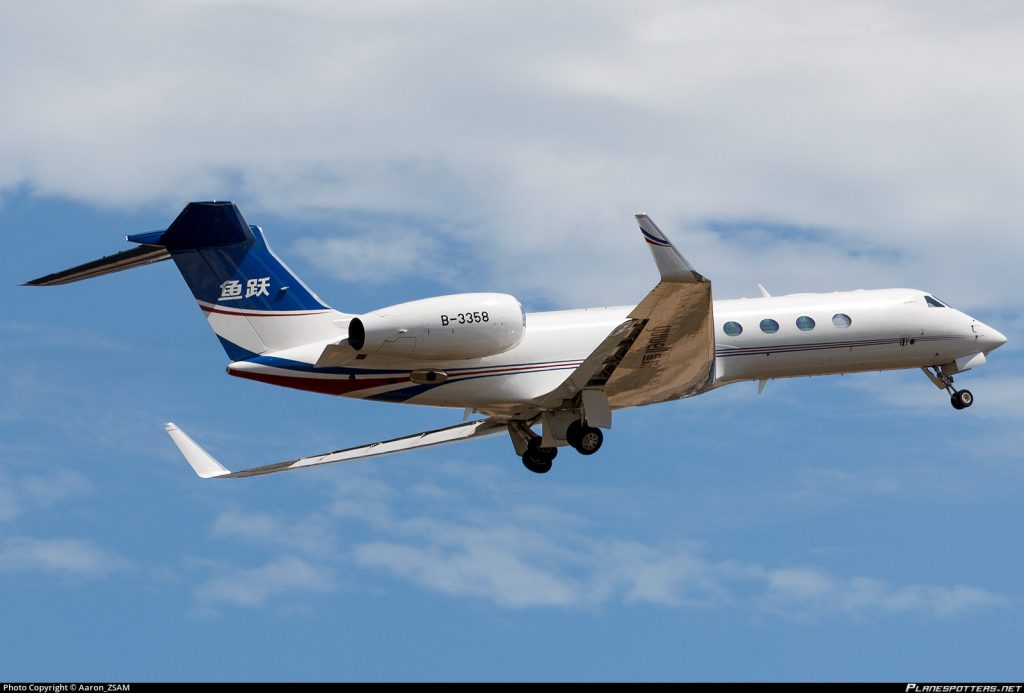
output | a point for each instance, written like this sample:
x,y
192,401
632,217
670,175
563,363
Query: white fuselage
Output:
x,y
841,332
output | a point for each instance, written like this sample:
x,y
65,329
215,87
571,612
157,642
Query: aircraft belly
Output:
x,y
483,391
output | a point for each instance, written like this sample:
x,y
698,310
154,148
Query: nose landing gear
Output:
x,y
960,399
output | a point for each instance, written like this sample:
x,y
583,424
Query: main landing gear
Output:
x,y
960,399
585,439
537,459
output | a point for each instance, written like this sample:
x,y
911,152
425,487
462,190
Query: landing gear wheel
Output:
x,y
537,463
537,459
589,441
962,399
574,433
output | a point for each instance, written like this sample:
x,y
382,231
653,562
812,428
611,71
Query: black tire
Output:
x,y
574,433
590,441
962,399
536,463
537,459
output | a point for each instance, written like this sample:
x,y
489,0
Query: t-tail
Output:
x,y
253,302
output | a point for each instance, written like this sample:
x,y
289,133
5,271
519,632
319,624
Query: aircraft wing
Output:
x,y
207,467
665,350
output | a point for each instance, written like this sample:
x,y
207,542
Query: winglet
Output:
x,y
672,265
201,461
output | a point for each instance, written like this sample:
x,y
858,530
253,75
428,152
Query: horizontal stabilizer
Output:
x,y
203,225
126,259
206,466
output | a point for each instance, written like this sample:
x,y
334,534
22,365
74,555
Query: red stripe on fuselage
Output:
x,y
326,386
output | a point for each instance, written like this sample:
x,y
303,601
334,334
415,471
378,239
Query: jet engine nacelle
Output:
x,y
460,326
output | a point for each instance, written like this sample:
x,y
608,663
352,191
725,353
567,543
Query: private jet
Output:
x,y
563,372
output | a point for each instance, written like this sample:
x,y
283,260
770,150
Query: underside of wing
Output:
x,y
664,351
673,354
207,467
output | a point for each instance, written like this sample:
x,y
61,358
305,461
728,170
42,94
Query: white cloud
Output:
x,y
382,255
804,592
667,575
533,556
68,557
886,125
458,535
252,587
55,486
480,566
308,534
516,567
18,494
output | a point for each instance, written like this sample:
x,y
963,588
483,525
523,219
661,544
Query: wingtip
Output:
x,y
202,463
671,264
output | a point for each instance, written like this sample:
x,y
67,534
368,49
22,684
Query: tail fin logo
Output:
x,y
231,290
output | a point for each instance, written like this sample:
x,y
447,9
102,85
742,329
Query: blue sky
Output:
x,y
851,527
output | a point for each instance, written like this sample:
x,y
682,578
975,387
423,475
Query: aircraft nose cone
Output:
x,y
992,338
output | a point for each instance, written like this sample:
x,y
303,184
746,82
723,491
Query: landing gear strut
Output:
x,y
960,399
586,439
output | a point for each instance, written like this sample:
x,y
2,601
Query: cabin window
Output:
x,y
841,320
733,329
934,302
805,323
769,326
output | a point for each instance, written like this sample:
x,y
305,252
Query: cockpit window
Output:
x,y
934,302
